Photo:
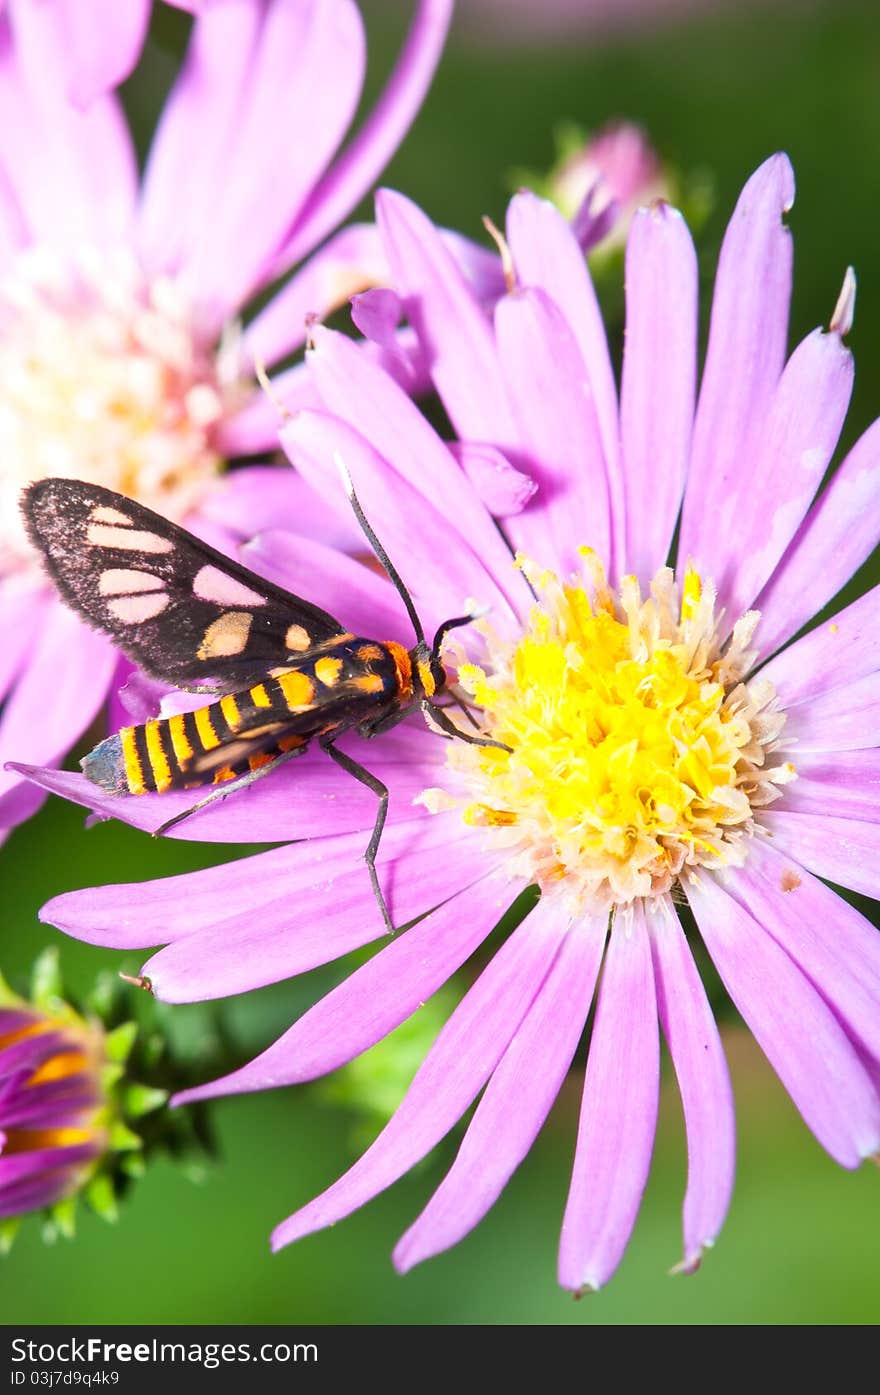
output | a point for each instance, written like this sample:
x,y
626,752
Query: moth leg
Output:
x,y
438,715
373,783
250,777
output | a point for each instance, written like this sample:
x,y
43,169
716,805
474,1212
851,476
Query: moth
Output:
x,y
281,672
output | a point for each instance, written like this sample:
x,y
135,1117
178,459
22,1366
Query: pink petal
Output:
x,y
659,382
348,262
22,615
557,431
253,428
440,570
503,490
367,155
845,784
261,498
73,173
618,1113
458,1065
842,529
703,1081
838,949
770,494
359,392
747,340
308,797
375,998
844,851
324,912
838,652
56,697
845,719
448,317
516,1101
548,257
103,42
798,1033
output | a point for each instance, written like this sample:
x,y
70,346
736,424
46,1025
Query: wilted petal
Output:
x,y
618,1113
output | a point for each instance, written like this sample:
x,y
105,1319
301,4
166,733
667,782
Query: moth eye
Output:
x,y
297,639
227,635
212,584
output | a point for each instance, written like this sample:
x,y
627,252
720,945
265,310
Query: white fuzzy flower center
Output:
x,y
104,377
637,749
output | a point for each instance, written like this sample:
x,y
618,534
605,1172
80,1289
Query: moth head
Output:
x,y
429,674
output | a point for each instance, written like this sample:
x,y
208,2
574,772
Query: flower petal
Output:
x,y
357,391
366,602
560,445
618,1113
325,911
308,797
797,1031
348,262
516,1100
659,380
263,497
845,785
55,698
845,719
503,489
839,533
774,486
703,1081
375,998
74,173
454,1071
838,949
450,321
838,652
440,570
103,42
548,257
746,351
360,165
844,851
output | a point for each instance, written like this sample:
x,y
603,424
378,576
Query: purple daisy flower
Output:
x,y
120,358
54,1116
670,742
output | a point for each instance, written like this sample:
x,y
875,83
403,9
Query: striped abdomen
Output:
x,y
334,689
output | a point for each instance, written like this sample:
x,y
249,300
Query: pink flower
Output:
x,y
121,357
669,739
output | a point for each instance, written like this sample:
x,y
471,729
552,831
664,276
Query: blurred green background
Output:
x,y
717,92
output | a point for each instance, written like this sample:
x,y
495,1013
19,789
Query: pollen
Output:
x,y
637,749
106,376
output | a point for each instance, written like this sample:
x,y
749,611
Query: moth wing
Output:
x,y
184,612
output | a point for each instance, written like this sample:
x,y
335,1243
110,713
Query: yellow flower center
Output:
x,y
636,748
104,377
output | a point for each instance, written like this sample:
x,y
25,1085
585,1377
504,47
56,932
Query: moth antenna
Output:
x,y
393,574
263,379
